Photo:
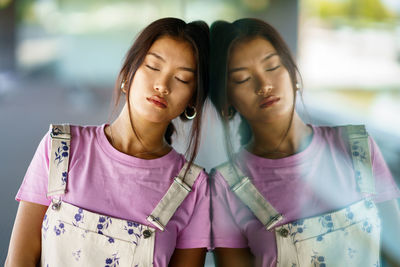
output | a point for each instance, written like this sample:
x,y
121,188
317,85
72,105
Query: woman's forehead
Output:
x,y
172,49
249,50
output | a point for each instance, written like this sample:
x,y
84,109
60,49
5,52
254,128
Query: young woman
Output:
x,y
126,197
295,194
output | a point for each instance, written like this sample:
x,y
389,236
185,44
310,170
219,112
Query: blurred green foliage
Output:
x,y
4,4
24,10
339,12
353,12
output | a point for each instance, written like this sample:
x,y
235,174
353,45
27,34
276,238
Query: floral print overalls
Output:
x,y
346,237
72,236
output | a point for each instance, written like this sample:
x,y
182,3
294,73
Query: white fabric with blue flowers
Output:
x,y
75,237
346,237
72,236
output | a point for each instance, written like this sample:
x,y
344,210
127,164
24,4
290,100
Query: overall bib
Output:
x,y
72,236
345,237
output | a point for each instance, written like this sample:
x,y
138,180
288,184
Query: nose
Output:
x,y
263,85
264,89
162,87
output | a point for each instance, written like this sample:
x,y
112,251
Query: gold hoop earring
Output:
x,y
190,117
123,86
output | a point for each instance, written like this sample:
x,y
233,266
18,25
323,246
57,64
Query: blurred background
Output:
x,y
59,60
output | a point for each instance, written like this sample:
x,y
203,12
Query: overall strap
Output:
x,y
242,186
176,194
361,157
59,158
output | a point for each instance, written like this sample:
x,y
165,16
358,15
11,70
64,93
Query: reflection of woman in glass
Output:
x,y
117,202
310,191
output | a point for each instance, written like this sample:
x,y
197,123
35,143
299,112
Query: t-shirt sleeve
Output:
x,y
226,232
386,188
196,233
34,186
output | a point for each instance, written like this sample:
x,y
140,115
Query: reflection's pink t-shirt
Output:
x,y
103,180
317,180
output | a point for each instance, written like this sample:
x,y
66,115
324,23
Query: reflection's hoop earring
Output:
x,y
298,87
190,117
231,113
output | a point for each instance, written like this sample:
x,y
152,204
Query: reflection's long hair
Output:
x,y
223,36
197,34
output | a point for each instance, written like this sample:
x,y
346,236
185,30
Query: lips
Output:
x,y
268,101
158,101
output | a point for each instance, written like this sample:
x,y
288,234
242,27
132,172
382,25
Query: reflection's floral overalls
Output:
x,y
72,236
346,237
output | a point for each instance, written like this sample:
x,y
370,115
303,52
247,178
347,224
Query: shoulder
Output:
x,y
338,137
196,172
329,132
79,131
221,168
340,131
83,140
83,137
90,131
221,174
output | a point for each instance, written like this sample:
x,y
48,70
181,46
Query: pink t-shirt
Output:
x,y
316,180
103,180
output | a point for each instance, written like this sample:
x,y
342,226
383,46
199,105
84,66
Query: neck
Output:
x,y
147,141
280,138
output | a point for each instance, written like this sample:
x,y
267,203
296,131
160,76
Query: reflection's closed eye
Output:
x,y
182,81
242,81
272,69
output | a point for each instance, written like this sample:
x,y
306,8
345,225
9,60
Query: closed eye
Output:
x,y
242,81
152,68
182,81
272,69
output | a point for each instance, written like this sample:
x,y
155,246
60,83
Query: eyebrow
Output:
x,y
156,55
244,68
162,59
269,56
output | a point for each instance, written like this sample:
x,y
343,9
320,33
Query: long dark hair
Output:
x,y
197,34
223,36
